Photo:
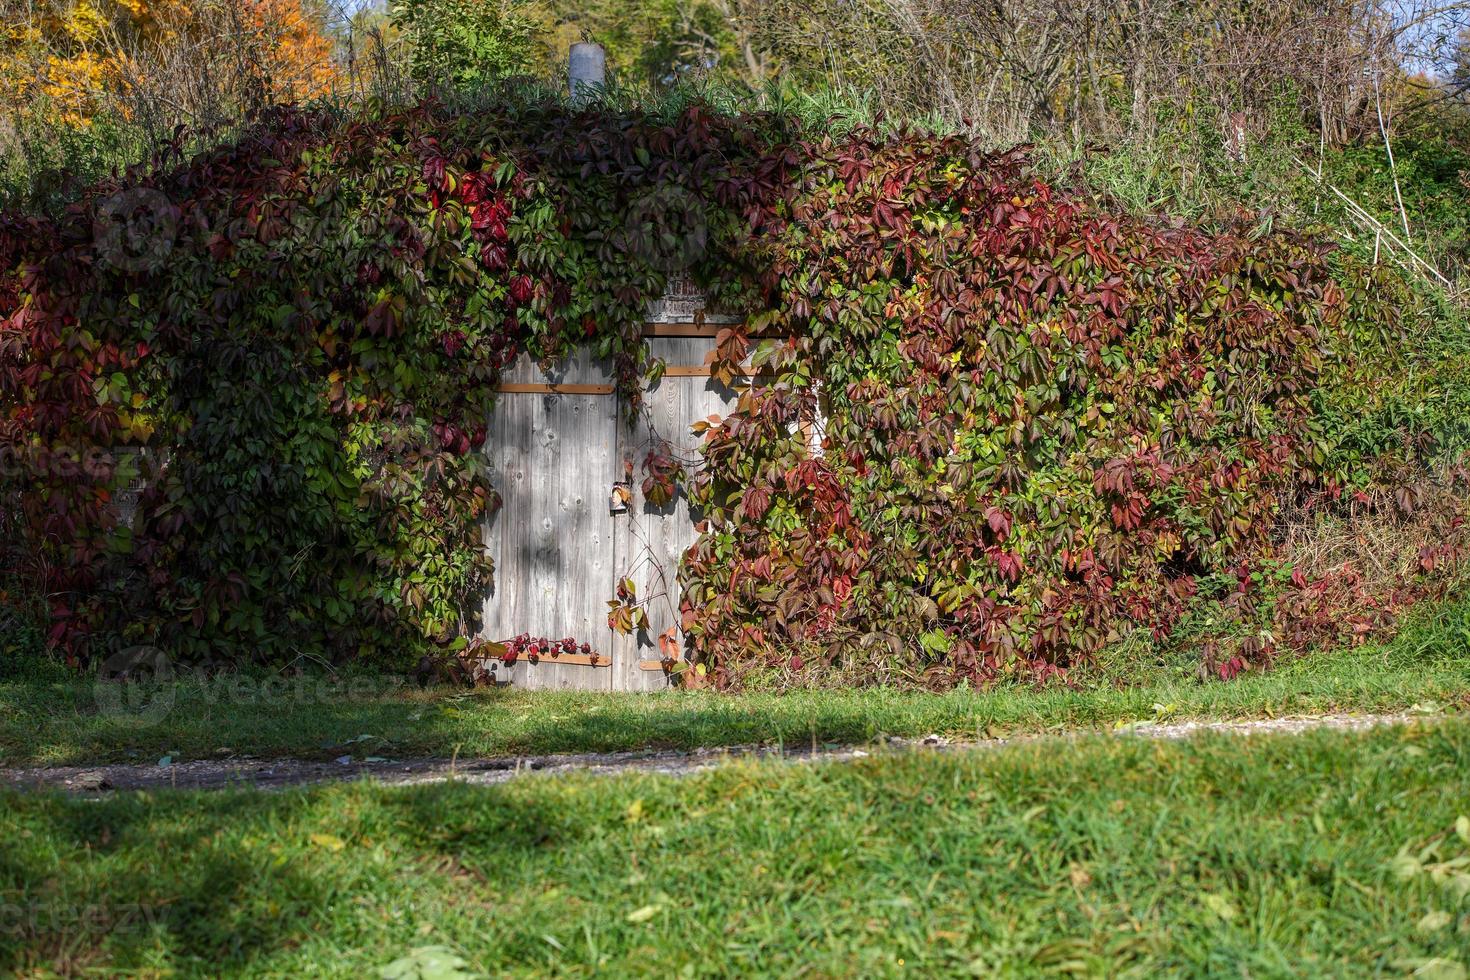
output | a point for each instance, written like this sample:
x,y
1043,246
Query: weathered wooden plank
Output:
x,y
552,389
579,368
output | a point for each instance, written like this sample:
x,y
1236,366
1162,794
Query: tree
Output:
x,y
87,86
83,58
1460,74
471,42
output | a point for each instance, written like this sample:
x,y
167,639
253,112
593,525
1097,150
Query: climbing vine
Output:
x,y
1046,424
305,329
997,423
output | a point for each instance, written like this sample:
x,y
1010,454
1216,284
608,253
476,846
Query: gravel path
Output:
x,y
279,773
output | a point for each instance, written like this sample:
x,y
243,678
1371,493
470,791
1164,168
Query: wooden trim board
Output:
x,y
579,660
703,371
575,660
685,329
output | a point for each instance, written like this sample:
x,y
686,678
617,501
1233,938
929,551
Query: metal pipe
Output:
x,y
586,70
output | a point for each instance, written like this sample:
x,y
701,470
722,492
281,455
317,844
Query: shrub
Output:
x,y
469,42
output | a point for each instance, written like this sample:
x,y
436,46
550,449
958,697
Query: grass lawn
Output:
x,y
64,721
1326,854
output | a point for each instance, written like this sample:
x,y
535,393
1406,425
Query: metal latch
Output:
x,y
621,497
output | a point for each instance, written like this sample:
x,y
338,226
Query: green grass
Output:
x,y
61,721
1220,856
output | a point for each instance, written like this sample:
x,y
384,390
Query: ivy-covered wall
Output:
x,y
1044,421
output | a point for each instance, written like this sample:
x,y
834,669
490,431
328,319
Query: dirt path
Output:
x,y
278,773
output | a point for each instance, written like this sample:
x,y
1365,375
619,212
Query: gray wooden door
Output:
x,y
656,537
553,456
557,447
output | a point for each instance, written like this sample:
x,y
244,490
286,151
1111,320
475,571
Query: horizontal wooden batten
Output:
x,y
518,388
685,329
656,664
703,371
574,659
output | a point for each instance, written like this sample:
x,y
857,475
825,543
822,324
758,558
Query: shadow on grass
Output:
x,y
126,885
226,881
61,724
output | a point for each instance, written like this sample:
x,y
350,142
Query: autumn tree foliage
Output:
x,y
294,53
75,60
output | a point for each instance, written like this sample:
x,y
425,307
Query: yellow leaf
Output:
x,y
1220,905
328,841
643,914
1433,922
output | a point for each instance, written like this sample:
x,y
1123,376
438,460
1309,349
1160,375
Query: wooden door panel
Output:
x,y
553,459
657,537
